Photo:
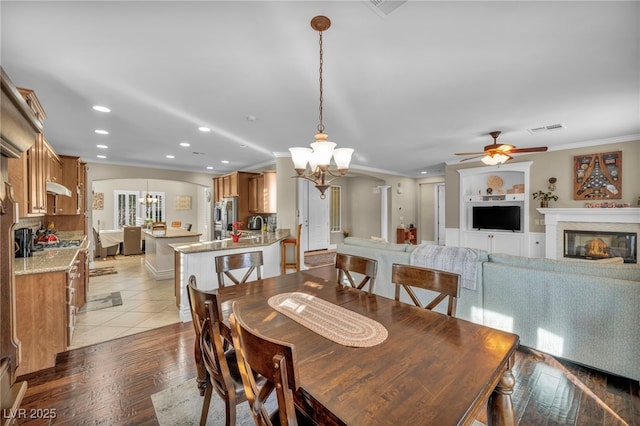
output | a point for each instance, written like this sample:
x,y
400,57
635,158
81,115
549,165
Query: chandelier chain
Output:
x,y
320,125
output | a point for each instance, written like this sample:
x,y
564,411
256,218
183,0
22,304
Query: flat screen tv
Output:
x,y
496,217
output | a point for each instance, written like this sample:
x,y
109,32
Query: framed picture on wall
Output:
x,y
597,176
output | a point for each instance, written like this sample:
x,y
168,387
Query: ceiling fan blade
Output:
x,y
471,158
534,149
469,153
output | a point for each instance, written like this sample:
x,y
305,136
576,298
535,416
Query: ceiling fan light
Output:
x,y
323,151
490,160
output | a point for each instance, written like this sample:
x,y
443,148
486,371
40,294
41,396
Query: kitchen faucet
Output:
x,y
261,222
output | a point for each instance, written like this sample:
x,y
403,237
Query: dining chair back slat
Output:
x,y
230,262
447,284
346,264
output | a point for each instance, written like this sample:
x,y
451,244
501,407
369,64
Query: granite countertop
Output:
x,y
173,233
51,260
252,239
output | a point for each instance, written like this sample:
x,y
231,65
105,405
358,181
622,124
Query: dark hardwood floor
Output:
x,y
111,383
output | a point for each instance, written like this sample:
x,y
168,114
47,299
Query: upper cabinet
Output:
x,y
234,184
72,177
262,193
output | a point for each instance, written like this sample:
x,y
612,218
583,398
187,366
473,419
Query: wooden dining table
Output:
x,y
431,369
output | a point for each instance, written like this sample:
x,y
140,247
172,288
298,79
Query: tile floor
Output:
x,y
146,303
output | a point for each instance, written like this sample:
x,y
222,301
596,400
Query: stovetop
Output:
x,y
57,245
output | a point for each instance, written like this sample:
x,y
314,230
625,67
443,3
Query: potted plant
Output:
x,y
236,233
544,197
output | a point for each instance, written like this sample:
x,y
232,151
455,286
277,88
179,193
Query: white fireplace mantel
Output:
x,y
552,216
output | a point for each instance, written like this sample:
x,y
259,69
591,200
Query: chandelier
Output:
x,y
318,157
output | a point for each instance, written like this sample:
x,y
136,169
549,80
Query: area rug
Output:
x,y
102,301
319,258
331,321
181,405
98,272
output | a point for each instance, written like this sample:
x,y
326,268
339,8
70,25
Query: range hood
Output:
x,y
57,189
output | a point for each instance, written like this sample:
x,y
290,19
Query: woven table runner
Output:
x,y
331,321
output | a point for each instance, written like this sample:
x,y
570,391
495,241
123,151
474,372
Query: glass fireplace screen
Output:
x,y
601,245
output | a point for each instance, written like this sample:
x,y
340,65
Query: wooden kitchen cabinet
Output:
x,y
262,193
46,308
52,164
72,178
28,174
41,319
217,189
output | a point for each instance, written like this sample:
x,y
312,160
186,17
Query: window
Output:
x,y
335,224
126,208
152,206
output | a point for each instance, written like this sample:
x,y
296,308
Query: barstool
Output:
x,y
290,242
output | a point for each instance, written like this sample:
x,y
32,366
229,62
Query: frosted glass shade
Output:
x,y
300,157
323,151
342,157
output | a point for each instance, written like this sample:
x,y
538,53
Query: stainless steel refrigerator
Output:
x,y
229,214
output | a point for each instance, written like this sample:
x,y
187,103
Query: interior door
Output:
x,y
314,214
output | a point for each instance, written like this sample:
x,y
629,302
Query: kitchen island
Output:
x,y
198,259
158,257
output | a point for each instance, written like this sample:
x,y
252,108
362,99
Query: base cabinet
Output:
x,y
495,242
41,319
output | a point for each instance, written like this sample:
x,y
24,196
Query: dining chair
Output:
x,y
447,284
273,360
346,264
186,226
176,224
158,227
230,262
216,361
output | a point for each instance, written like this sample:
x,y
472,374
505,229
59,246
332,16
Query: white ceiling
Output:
x,y
406,89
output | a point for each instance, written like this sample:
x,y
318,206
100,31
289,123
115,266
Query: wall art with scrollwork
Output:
x,y
597,176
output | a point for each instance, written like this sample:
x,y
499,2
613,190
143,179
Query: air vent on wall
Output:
x,y
385,7
541,129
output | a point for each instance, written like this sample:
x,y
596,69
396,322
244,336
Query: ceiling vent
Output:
x,y
385,7
550,127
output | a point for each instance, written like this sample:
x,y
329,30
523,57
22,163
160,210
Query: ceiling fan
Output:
x,y
498,153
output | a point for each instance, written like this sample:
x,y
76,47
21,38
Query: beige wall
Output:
x,y
557,164
107,178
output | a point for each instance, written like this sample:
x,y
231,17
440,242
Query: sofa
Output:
x,y
588,313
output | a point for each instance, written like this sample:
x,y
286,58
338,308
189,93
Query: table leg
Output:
x,y
500,407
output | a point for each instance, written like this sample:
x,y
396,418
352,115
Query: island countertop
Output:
x,y
172,233
248,240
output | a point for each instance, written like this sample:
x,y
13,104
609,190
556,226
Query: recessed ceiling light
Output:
x,y
225,161
243,146
204,129
101,132
185,144
209,167
170,156
252,118
423,173
101,108
102,146
101,156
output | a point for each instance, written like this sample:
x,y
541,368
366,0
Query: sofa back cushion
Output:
x,y
380,244
617,271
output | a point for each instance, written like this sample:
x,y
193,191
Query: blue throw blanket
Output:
x,y
461,260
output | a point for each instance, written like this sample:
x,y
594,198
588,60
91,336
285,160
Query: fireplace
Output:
x,y
595,245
